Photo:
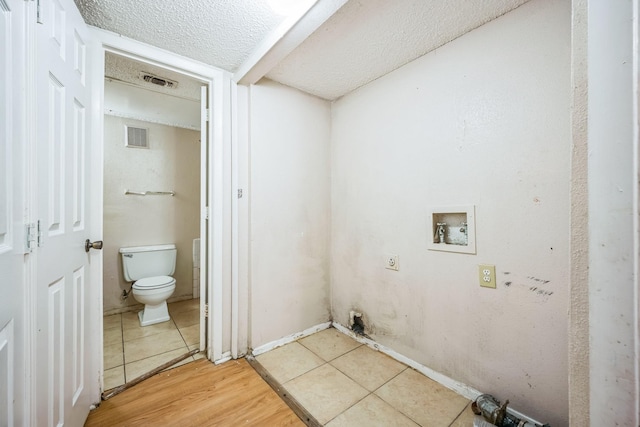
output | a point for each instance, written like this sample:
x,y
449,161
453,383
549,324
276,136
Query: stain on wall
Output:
x,y
489,126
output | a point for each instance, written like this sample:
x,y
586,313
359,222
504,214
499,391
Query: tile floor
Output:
x,y
131,350
344,383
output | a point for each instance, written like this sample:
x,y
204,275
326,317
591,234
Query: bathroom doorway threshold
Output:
x,y
117,390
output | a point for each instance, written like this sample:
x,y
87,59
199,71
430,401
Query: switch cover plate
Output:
x,y
487,275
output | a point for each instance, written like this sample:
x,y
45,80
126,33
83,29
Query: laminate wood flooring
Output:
x,y
198,394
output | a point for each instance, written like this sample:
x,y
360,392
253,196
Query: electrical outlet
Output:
x,y
391,262
487,275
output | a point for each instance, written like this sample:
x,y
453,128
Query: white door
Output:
x,y
65,375
12,204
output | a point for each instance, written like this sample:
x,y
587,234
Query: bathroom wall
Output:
x,y
289,212
125,100
483,120
172,162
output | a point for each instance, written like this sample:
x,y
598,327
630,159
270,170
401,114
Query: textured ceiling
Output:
x,y
222,33
367,39
363,40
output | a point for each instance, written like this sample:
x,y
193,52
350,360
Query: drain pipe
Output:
x,y
489,407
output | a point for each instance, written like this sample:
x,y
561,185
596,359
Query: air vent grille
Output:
x,y
136,137
159,81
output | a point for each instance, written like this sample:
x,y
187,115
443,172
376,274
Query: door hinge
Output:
x,y
239,193
207,114
205,212
33,237
206,310
39,13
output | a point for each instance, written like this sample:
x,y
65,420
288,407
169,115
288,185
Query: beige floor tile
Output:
x,y
422,399
130,320
289,361
191,334
369,368
329,344
133,330
113,377
112,355
372,412
185,305
186,318
465,419
142,348
135,369
325,392
112,321
111,336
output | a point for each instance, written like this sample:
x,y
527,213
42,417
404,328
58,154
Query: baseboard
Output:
x,y
288,339
226,356
460,388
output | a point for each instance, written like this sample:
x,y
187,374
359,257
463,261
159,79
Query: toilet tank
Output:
x,y
139,262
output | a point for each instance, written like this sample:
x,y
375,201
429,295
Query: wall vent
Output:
x,y
136,137
160,81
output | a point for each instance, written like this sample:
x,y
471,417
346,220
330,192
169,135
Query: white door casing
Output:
x,y
204,214
216,257
64,352
13,313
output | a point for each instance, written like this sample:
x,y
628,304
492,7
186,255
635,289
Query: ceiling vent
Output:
x,y
136,137
160,81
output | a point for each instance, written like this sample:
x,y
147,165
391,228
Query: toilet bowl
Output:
x,y
153,292
150,268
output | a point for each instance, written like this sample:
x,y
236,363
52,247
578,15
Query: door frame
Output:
x,y
219,256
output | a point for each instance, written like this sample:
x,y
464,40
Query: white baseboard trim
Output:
x,y
288,339
460,388
226,356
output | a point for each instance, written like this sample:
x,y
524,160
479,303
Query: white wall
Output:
x,y
125,100
172,162
613,213
289,218
483,120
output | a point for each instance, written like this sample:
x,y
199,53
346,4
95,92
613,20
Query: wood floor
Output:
x,y
198,394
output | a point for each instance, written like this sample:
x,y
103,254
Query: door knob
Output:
x,y
92,245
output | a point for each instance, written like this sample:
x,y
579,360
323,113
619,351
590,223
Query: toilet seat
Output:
x,y
156,282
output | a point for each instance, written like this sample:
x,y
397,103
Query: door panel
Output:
x,y
65,368
12,204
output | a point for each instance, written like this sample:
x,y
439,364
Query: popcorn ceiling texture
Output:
x,y
222,33
365,40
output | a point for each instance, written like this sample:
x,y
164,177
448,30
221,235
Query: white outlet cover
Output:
x,y
391,262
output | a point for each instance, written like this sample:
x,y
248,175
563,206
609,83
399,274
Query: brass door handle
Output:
x,y
92,245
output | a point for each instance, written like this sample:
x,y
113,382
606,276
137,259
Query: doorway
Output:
x,y
217,332
152,154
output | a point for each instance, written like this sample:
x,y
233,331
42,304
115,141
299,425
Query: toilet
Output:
x,y
150,268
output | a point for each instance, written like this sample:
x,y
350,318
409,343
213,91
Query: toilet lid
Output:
x,y
154,282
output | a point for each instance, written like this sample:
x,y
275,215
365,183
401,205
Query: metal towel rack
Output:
x,y
149,193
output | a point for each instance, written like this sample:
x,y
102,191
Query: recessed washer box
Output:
x,y
453,229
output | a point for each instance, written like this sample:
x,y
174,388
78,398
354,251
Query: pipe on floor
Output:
x,y
489,407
